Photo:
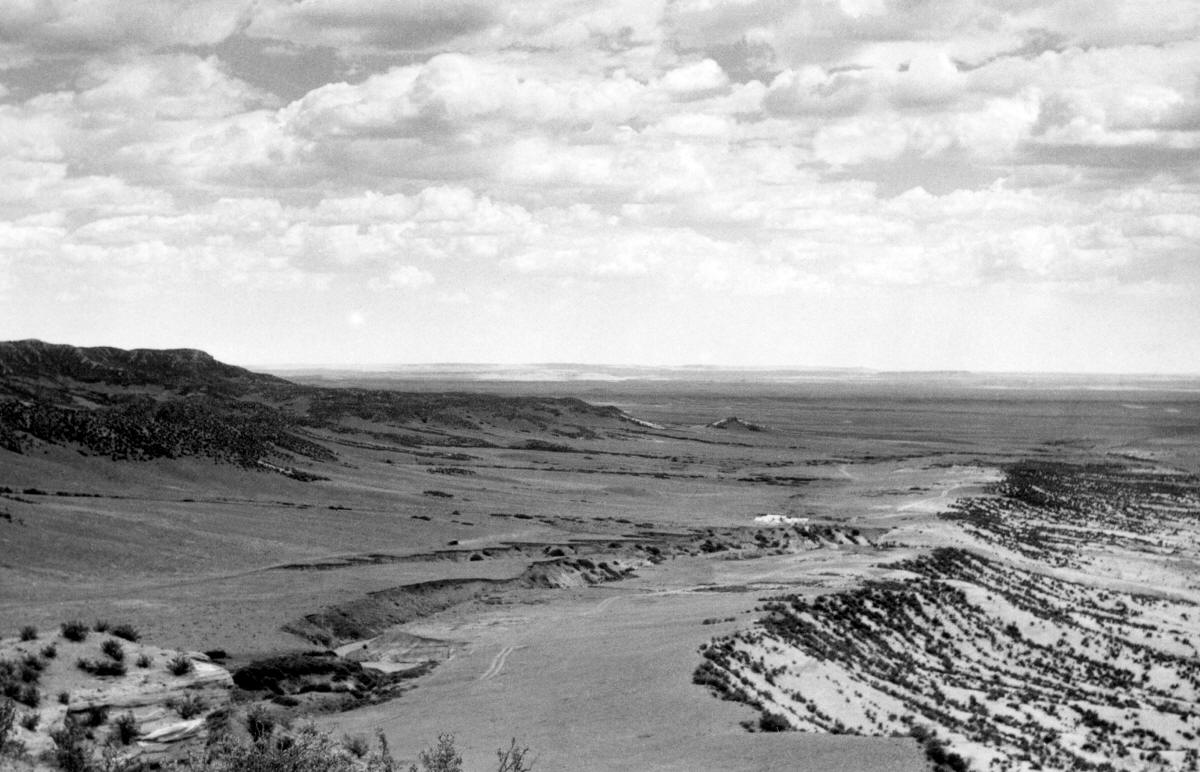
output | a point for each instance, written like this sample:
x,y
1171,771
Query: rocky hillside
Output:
x,y
82,687
40,364
145,404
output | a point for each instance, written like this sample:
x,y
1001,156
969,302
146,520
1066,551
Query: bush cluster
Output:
x,y
74,630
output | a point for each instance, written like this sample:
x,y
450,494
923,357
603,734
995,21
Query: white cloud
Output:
x,y
165,87
39,25
406,277
694,80
369,24
689,149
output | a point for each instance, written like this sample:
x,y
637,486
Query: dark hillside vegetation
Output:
x,y
146,404
185,369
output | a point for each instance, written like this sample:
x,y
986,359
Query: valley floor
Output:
x,y
955,573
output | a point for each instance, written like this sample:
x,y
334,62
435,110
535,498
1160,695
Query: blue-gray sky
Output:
x,y
885,183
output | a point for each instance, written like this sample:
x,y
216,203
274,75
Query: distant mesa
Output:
x,y
733,423
172,368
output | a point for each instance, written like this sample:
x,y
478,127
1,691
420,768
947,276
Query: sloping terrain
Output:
x,y
530,564
145,404
1013,661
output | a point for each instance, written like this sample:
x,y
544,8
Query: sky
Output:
x,y
896,184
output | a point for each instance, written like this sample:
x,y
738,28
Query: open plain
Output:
x,y
975,572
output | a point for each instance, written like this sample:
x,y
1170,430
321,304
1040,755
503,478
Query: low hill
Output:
x,y
39,362
145,404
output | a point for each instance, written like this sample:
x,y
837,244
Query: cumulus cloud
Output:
x,y
39,26
744,147
407,25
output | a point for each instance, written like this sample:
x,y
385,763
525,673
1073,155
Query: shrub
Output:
x,y
50,651
30,720
8,713
29,633
382,760
273,673
69,749
105,667
113,648
144,660
74,631
442,757
188,707
307,751
180,665
514,758
259,723
358,745
125,729
101,626
29,696
97,715
64,698
773,722
31,669
128,632
216,654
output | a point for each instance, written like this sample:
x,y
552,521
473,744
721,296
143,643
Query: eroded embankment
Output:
x,y
373,614
996,663
558,565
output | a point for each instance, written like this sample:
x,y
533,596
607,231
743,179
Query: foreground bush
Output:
x,y
70,747
310,750
8,713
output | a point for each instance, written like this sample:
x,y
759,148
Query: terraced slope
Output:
x,y
1001,661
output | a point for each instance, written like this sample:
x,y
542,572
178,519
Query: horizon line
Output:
x,y
397,367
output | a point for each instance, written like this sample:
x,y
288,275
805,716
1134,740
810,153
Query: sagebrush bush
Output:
x,y
442,757
773,722
75,630
29,633
310,750
96,715
49,651
514,758
101,626
187,707
30,721
144,661
128,632
30,669
104,667
29,696
113,648
70,749
259,723
125,728
8,713
358,745
180,665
